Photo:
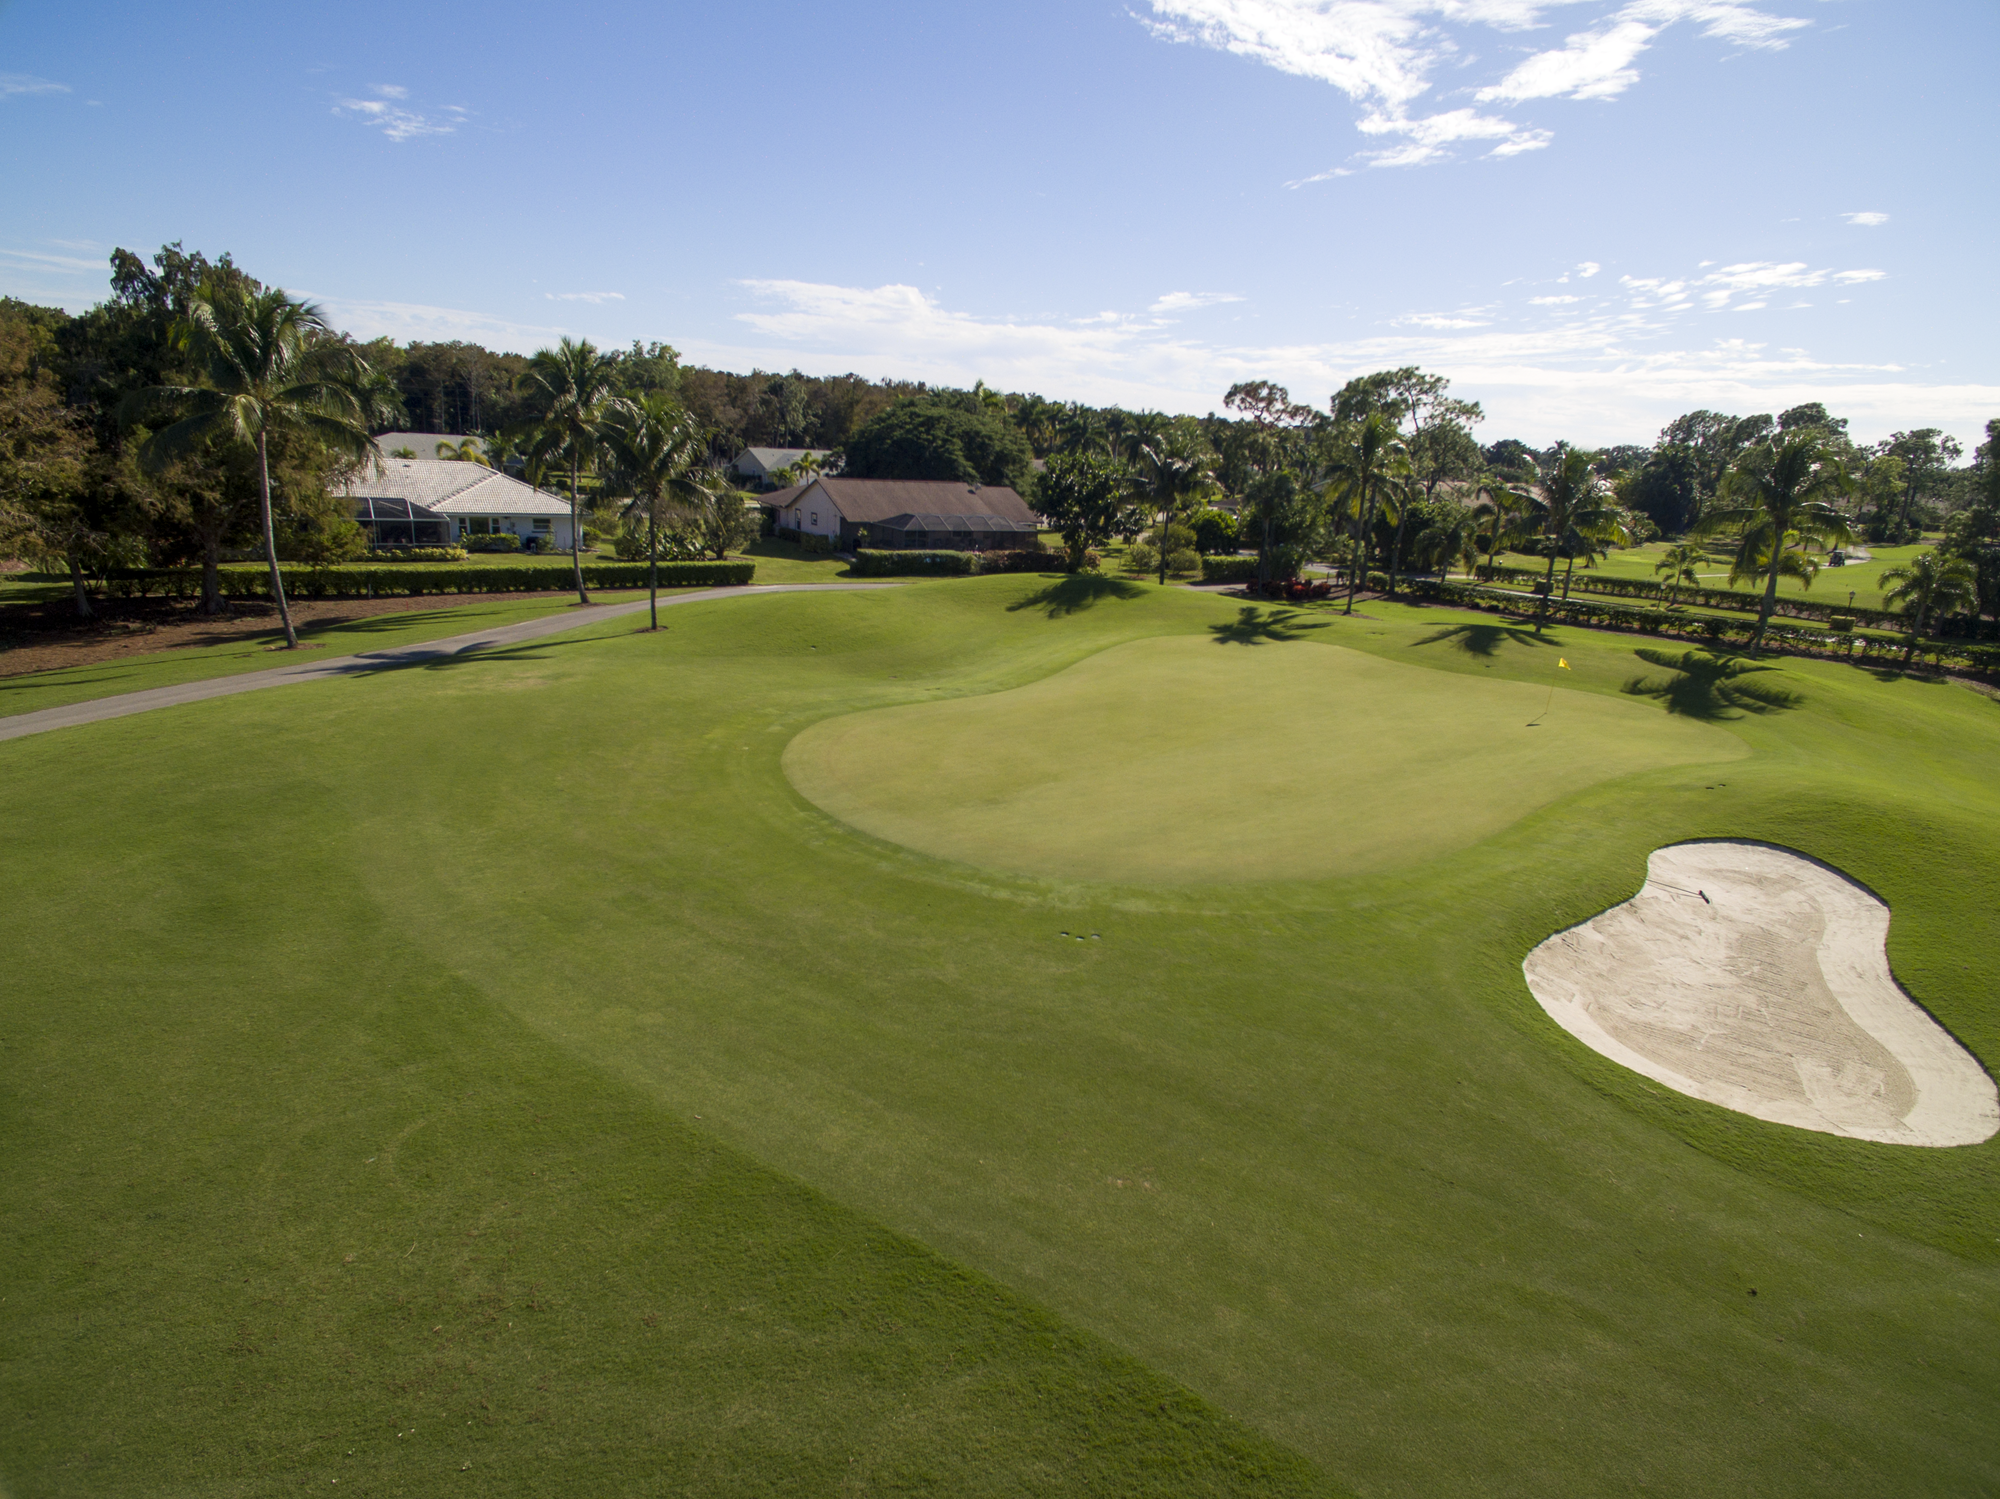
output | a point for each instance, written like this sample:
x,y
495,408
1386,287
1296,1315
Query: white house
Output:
x,y
907,513
756,465
436,501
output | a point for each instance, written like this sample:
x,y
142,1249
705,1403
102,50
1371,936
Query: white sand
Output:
x,y
1772,996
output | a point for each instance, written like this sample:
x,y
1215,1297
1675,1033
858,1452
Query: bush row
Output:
x,y
419,578
1591,581
898,563
1850,645
1228,569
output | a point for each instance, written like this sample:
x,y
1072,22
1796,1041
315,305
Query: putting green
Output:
x,y
1181,759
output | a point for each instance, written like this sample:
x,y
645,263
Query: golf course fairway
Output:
x,y
495,1076
1129,766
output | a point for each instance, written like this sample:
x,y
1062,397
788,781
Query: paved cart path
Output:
x,y
97,709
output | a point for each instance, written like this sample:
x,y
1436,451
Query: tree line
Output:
x,y
100,470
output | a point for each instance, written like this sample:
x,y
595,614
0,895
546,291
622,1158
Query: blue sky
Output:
x,y
1592,216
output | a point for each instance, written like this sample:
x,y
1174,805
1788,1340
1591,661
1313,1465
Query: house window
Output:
x,y
815,517
542,524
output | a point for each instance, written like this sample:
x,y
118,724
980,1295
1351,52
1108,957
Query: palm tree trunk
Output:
x,y
1164,525
82,594
1569,572
576,532
211,570
271,544
653,565
1548,589
1360,558
1916,630
1770,596
1396,546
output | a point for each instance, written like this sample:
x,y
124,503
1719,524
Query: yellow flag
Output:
x,y
1562,663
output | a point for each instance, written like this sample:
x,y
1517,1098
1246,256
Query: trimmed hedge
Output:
x,y
1791,605
1228,569
420,578
417,554
1029,561
908,564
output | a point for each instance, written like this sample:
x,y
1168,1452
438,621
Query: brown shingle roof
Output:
x,y
865,500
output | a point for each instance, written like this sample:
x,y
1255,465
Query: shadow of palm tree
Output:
x,y
1484,639
1254,626
1703,685
1076,592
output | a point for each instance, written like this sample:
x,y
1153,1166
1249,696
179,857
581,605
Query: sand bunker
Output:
x,y
1754,978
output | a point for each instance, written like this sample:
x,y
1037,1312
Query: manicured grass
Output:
x,y
135,673
1862,579
1128,767
621,1017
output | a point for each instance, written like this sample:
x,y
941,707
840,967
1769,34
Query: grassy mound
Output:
x,y
682,1137
1131,766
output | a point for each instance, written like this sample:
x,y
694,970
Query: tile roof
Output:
x,y
772,458
453,488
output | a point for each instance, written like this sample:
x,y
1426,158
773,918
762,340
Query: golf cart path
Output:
x,y
97,709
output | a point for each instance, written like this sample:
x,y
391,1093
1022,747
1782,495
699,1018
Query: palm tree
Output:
x,y
1929,584
1576,513
1453,538
263,365
1679,562
1369,474
571,384
1173,468
467,450
658,447
1753,559
1782,492
1506,505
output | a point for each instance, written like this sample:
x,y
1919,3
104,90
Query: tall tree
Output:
x,y
1086,497
1782,492
1173,467
1576,513
569,386
1929,585
261,365
1367,476
658,449
1507,508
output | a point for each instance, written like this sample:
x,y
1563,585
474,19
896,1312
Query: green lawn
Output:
x,y
504,1053
1832,586
135,673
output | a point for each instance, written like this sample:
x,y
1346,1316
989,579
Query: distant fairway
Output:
x,y
1185,758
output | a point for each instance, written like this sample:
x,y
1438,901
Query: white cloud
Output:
x,y
1589,65
386,114
1604,374
1552,301
1588,268
1439,320
70,264
1382,53
1866,220
1188,301
584,296
27,83
405,321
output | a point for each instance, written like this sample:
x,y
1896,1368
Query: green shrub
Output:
x,y
1024,561
1376,582
505,541
1228,569
425,578
417,554
1142,557
920,564
812,542
1184,562
1215,531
